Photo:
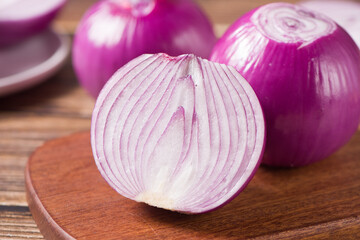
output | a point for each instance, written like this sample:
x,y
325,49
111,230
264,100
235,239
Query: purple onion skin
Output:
x,y
310,94
13,31
173,26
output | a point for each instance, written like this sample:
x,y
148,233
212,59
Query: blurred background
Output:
x,y
219,11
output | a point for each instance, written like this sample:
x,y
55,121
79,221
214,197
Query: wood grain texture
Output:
x,y
55,108
318,201
17,223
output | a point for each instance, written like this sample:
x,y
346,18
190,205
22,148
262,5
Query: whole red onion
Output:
x,y
305,70
113,32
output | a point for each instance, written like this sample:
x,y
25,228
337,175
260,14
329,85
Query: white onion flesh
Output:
x,y
179,133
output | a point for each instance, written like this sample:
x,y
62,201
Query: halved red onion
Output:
x,y
344,13
22,18
179,133
305,70
113,32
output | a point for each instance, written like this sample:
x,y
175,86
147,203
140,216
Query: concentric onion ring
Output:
x,y
344,13
289,23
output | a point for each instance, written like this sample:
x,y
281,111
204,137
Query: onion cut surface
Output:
x,y
23,18
179,133
113,32
305,70
344,13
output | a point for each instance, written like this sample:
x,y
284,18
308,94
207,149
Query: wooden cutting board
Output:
x,y
69,199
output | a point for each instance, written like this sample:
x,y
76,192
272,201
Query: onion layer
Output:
x,y
113,32
305,70
179,133
20,19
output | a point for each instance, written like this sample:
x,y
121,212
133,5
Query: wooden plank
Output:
x,y
55,108
17,223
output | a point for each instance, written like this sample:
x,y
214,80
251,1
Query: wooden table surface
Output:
x,y
58,108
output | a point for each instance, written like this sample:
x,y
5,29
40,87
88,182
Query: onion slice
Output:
x,y
22,18
179,133
305,70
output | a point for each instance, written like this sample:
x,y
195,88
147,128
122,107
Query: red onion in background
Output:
x,y
113,32
305,70
345,13
179,133
22,18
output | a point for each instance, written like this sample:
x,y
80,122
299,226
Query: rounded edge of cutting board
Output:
x,y
47,225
